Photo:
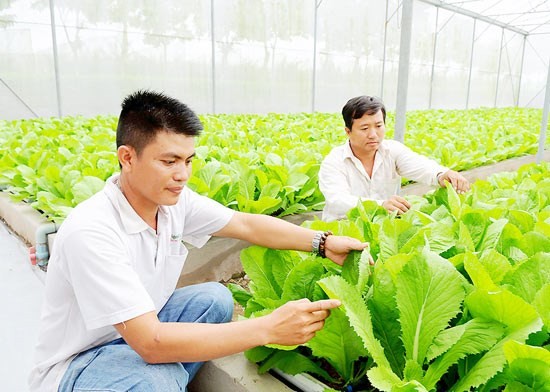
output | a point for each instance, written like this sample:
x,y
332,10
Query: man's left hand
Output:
x,y
337,247
457,180
32,255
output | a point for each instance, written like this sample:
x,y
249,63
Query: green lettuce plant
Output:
x,y
457,300
254,163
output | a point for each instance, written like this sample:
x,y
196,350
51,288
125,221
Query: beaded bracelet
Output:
x,y
322,241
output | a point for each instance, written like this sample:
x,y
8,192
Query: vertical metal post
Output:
x,y
314,72
55,59
213,48
433,56
403,75
498,71
384,54
521,68
471,64
544,123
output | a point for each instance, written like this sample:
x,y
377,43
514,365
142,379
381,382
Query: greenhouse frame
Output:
x,y
448,287
62,58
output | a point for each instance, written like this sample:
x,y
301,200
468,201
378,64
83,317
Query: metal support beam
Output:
x,y
498,70
433,56
18,97
55,59
403,75
213,53
521,68
471,65
458,10
316,4
544,123
384,53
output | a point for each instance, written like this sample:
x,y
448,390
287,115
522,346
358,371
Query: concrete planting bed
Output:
x,y
219,260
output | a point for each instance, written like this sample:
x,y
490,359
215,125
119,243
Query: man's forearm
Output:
x,y
272,232
293,323
197,342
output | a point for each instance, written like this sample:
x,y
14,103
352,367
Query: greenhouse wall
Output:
x,y
256,56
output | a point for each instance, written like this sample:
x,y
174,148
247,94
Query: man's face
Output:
x,y
367,133
157,176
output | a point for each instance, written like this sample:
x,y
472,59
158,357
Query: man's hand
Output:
x,y
457,180
32,255
337,247
297,321
396,203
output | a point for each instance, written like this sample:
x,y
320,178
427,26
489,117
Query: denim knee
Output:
x,y
117,367
222,300
203,303
163,377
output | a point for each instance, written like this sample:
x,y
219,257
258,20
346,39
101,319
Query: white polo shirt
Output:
x,y
107,266
344,181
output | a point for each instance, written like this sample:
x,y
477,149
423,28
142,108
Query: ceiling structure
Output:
x,y
527,17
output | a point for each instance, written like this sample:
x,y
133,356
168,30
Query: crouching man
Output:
x,y
112,318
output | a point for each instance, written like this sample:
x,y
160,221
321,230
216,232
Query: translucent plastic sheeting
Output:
x,y
531,16
257,56
27,85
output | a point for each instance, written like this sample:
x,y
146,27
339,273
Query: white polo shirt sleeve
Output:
x,y
414,166
105,283
335,185
203,217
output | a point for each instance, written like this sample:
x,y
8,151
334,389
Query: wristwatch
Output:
x,y
316,242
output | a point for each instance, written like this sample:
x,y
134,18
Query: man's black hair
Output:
x,y
146,113
359,106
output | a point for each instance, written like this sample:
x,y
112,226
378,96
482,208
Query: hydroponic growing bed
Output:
x,y
254,163
68,164
458,300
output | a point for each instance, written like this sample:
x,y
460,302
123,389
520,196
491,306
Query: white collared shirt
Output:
x,y
108,266
344,181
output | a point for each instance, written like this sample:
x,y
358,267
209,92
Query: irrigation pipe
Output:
x,y
41,237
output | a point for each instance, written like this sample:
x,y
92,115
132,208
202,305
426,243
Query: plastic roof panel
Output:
x,y
530,16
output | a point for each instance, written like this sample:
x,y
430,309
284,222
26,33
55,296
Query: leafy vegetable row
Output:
x,y
255,163
458,300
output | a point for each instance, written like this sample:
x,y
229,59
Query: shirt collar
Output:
x,y
131,221
348,153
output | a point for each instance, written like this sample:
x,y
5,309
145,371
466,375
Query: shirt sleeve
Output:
x,y
203,217
106,286
335,188
414,166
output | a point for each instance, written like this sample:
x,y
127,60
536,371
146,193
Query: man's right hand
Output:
x,y
396,203
297,321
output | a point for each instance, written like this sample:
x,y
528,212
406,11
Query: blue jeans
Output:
x,y
115,366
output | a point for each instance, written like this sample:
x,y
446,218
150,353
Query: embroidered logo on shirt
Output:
x,y
175,238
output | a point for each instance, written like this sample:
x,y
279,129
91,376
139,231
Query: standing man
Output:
x,y
367,167
112,319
